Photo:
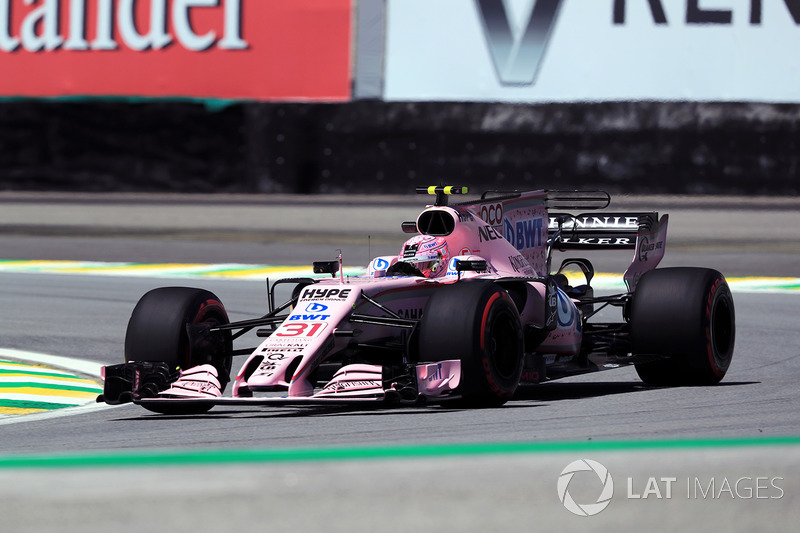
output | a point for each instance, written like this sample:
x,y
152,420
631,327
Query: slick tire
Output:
x,y
687,316
477,322
162,322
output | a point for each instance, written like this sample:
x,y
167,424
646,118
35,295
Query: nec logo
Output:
x,y
517,54
488,233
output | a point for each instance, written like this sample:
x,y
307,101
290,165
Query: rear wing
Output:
x,y
520,217
644,233
607,231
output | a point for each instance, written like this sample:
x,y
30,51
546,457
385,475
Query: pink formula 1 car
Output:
x,y
468,309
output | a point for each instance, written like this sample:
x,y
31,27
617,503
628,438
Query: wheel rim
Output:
x,y
211,317
503,348
722,330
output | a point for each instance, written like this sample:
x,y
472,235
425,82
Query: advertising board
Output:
x,y
228,49
592,50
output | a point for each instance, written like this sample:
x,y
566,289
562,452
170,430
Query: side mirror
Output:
x,y
326,267
471,266
409,227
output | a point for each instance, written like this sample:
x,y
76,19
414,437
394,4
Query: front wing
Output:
x,y
158,388
159,404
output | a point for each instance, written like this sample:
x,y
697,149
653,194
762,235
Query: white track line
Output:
x,y
89,368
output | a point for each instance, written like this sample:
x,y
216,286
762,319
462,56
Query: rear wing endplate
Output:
x,y
651,243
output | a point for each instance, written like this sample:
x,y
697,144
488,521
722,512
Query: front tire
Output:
x,y
686,315
170,325
477,322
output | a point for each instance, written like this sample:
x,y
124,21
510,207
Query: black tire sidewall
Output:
x,y
157,328
459,322
682,313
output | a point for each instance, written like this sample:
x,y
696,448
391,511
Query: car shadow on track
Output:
x,y
575,391
525,395
295,412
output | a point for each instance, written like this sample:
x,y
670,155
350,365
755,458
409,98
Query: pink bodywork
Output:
x,y
511,235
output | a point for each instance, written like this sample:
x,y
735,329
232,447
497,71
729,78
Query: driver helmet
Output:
x,y
428,254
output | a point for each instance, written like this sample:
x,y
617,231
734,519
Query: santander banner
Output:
x,y
236,49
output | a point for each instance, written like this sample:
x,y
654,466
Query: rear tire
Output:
x,y
686,315
158,331
478,323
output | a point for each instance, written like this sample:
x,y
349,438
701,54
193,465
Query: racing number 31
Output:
x,y
301,329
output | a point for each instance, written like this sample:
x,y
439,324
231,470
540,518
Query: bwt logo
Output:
x,y
315,307
524,234
517,54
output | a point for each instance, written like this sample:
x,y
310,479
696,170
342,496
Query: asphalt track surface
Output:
x,y
431,467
